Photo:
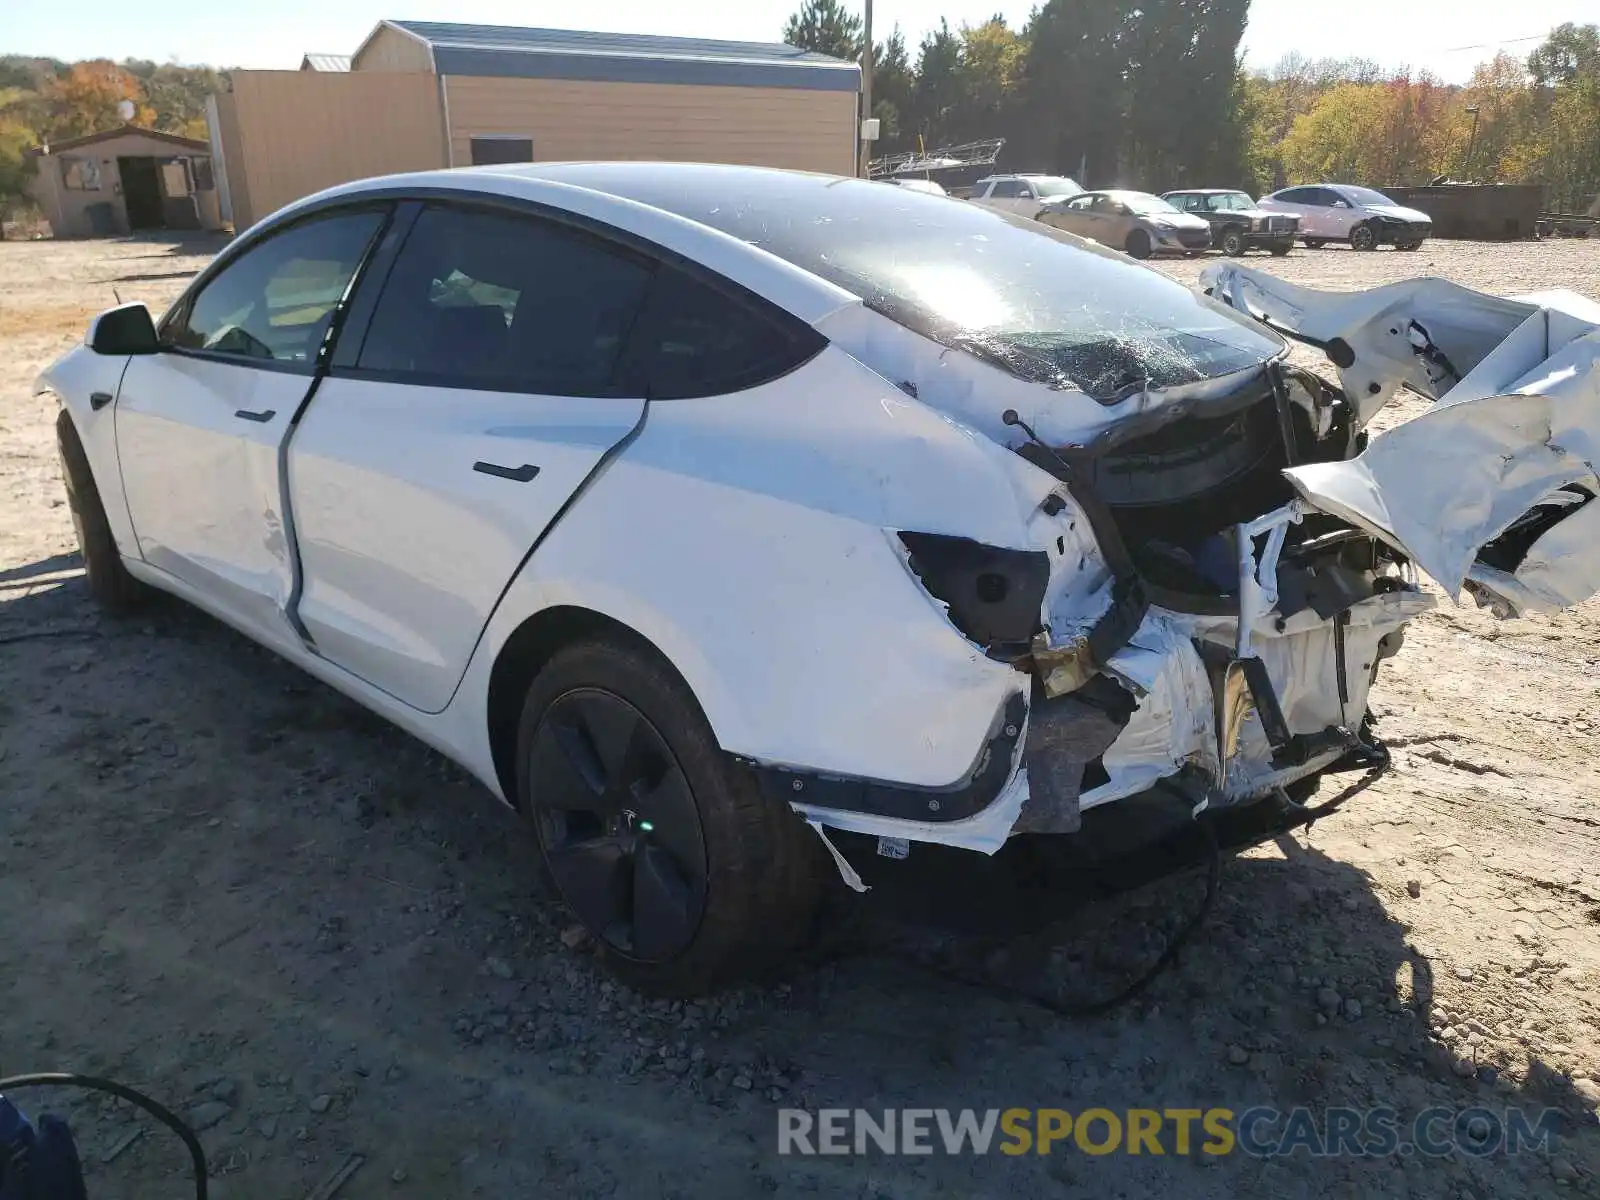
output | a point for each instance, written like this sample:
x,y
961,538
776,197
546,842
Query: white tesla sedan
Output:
x,y
690,506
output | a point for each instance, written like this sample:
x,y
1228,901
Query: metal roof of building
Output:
x,y
325,62
500,50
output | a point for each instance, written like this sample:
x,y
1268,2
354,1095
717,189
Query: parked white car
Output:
x,y
1358,215
684,525
1022,194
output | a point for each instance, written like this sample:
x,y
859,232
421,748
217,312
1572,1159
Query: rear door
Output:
x,y
1299,202
1336,214
454,426
199,424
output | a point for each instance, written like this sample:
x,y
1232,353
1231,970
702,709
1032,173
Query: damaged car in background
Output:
x,y
730,523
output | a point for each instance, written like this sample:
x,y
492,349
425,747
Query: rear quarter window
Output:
x,y
699,338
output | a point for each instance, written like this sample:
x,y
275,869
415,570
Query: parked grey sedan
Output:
x,y
1237,222
1136,222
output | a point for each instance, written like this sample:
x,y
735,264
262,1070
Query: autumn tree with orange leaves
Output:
x,y
84,99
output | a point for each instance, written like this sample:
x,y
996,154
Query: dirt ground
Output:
x,y
229,886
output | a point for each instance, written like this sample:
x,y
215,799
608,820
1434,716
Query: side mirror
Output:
x,y
1341,204
126,329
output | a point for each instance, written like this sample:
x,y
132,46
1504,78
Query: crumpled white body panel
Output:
x,y
1521,423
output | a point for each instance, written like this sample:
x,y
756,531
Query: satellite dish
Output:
x,y
125,110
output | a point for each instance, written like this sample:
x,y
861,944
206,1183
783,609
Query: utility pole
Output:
x,y
1472,141
866,87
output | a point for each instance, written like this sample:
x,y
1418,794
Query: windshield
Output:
x,y
1053,185
1144,204
1363,195
1041,303
1230,202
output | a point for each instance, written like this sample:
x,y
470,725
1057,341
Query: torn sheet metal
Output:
x,y
1517,384
1424,334
1172,724
1442,486
1302,661
1559,569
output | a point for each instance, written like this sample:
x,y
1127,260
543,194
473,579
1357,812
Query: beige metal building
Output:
x,y
125,180
420,94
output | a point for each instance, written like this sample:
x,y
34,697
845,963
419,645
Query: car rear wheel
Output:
x,y
1279,249
665,849
1364,237
1138,244
1233,242
109,583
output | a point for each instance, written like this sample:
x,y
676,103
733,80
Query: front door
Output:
x,y
141,193
199,425
428,464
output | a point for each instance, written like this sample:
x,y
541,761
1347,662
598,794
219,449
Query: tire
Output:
x,y
1138,244
1233,242
1281,251
1408,246
1364,237
112,587
737,879
1315,243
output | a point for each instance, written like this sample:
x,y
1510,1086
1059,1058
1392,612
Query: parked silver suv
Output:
x,y
1024,194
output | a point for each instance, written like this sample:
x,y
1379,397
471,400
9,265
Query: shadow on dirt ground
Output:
x,y
234,888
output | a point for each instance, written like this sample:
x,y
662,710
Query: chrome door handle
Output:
x,y
98,400
244,414
520,474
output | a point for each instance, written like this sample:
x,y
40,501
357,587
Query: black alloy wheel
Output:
x,y
617,821
1233,241
1364,237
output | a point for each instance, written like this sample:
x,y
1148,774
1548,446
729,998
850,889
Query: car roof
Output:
x,y
1206,192
648,200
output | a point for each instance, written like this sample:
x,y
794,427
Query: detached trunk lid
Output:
x,y
1493,489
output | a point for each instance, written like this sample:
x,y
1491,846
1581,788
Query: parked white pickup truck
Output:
x,y
1024,194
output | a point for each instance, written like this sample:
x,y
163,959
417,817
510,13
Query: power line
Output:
x,y
1532,37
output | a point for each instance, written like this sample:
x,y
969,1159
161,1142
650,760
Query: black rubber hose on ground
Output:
x,y
133,1096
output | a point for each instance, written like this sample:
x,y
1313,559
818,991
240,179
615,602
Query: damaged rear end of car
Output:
x,y
1173,572
1220,641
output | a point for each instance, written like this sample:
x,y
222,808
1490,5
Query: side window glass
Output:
x,y
505,303
1006,189
276,300
1081,204
1293,196
695,339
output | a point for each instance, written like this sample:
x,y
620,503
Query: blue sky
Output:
x,y
1445,36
